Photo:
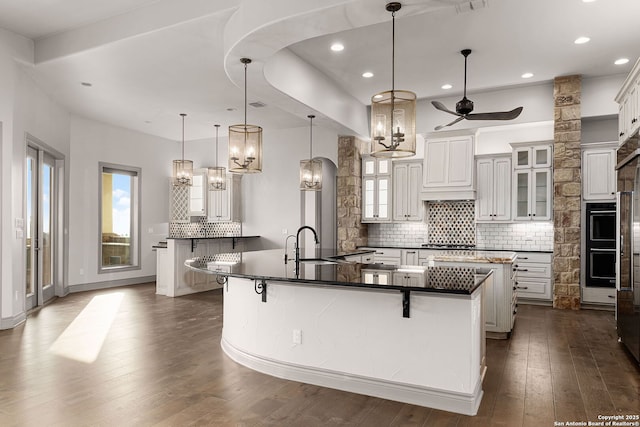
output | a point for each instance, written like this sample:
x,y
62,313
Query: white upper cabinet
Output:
x,y
532,177
599,173
407,180
448,169
628,99
493,198
197,193
376,190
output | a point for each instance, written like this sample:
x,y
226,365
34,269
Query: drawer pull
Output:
x,y
411,252
524,257
522,287
612,296
520,269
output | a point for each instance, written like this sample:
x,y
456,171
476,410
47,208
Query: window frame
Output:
x,y
135,216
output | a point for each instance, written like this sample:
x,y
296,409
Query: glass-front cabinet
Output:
x,y
532,182
376,190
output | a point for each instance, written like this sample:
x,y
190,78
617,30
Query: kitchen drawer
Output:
x,y
385,253
536,257
526,269
367,259
534,289
386,260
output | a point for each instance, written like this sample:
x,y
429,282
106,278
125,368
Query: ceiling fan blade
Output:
x,y
498,115
440,106
449,124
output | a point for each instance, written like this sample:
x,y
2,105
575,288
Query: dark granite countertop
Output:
x,y
219,237
270,265
440,248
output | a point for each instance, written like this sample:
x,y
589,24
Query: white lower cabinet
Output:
x,y
499,300
376,277
387,256
409,279
409,257
534,276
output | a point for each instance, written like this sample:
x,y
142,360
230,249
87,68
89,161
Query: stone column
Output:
x,y
351,232
566,188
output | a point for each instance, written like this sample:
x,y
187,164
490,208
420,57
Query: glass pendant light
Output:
x,y
182,169
245,141
393,112
311,169
217,174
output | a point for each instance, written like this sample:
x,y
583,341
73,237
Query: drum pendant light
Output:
x,y
217,174
182,169
245,141
393,112
311,169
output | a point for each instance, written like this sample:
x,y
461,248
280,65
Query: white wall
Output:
x,y
24,108
271,200
93,142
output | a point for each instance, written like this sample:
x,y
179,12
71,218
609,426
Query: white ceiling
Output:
x,y
148,61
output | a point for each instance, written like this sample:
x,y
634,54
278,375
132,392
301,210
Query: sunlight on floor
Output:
x,y
83,338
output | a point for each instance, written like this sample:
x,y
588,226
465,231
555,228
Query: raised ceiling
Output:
x,y
148,61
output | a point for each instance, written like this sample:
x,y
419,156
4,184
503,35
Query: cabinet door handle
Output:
x,y
621,134
522,287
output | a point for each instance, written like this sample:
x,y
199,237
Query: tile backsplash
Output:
x,y
398,234
181,229
452,222
521,236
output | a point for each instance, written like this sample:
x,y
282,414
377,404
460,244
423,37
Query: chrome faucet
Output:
x,y
286,246
315,236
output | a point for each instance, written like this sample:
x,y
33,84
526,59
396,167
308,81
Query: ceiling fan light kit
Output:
x,y
464,107
393,113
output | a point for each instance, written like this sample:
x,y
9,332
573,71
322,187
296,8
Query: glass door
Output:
x,y
40,227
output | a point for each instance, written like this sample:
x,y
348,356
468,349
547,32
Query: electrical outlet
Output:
x,y
297,336
284,231
82,271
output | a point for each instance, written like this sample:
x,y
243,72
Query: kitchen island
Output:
x,y
419,341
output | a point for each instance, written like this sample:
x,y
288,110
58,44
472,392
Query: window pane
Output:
x,y
116,218
47,225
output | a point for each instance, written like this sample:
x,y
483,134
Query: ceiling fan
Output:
x,y
464,107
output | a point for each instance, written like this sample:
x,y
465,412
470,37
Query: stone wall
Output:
x,y
351,232
567,188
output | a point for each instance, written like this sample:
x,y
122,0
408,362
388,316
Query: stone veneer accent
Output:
x,y
566,189
351,232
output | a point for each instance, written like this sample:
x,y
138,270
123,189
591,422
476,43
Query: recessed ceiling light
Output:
x,y
582,40
367,74
337,47
621,61
377,96
446,87
147,121
87,84
527,75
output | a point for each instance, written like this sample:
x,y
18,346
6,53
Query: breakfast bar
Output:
x,y
413,334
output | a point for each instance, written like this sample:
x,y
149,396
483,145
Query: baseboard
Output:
x,y
110,284
12,322
460,403
595,306
544,303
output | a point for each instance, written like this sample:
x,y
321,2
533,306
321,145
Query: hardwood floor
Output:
x,y
161,364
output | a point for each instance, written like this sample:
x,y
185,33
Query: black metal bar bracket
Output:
x,y
261,288
194,244
233,242
406,302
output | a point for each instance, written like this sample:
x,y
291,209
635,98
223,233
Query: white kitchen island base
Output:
x,y
357,340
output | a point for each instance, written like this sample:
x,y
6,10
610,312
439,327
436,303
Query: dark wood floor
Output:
x,y
161,364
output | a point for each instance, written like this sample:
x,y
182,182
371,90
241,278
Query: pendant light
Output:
x,y
311,169
182,169
393,113
245,141
217,174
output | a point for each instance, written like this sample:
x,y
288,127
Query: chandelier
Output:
x,y
311,169
393,112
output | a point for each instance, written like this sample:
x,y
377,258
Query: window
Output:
x,y
119,218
